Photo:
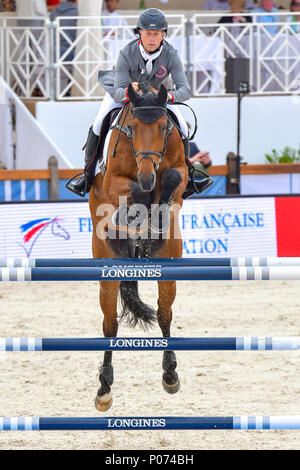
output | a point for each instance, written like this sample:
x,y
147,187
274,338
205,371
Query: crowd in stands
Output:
x,y
41,9
111,17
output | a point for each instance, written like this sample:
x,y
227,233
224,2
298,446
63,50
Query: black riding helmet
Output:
x,y
152,18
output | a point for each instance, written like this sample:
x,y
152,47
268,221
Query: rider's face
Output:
x,y
151,39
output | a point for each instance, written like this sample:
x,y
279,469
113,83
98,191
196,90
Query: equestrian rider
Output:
x,y
146,59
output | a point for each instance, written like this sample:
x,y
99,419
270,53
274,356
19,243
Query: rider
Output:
x,y
148,59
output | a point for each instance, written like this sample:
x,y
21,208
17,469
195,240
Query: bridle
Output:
x,y
128,130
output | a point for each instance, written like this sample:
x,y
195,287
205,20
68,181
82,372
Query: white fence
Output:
x,y
34,63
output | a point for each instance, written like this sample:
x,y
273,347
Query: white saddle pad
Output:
x,y
101,166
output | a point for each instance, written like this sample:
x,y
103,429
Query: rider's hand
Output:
x,y
153,90
135,86
202,157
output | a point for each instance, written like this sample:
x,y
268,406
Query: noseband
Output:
x,y
146,154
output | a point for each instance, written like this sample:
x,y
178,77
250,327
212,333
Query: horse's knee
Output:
x,y
140,196
170,180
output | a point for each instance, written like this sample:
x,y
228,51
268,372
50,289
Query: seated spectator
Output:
x,y
295,18
236,7
224,5
267,6
200,158
111,16
52,4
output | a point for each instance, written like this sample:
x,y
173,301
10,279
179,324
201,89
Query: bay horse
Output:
x,y
146,167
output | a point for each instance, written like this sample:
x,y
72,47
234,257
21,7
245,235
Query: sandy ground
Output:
x,y
212,383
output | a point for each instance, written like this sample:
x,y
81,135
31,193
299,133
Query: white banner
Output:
x,y
229,227
210,227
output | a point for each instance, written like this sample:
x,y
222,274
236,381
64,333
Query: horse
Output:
x,y
146,167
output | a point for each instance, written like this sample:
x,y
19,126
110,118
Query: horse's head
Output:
x,y
150,129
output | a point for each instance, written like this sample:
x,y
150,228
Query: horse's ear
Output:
x,y
162,95
132,94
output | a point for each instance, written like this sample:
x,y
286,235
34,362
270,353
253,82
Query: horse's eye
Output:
x,y
162,129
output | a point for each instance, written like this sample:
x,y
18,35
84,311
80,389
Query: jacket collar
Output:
x,y
142,65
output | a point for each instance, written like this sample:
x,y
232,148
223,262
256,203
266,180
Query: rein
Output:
x,y
121,129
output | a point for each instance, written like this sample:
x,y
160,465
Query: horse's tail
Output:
x,y
134,311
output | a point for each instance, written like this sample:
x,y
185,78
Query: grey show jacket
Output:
x,y
131,68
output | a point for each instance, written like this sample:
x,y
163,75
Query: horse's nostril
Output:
x,y
147,182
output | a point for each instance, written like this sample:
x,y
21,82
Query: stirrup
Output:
x,y
70,186
195,185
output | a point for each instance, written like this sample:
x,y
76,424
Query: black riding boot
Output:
x,y
198,180
187,147
82,185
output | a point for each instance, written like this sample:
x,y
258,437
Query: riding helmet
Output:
x,y
152,18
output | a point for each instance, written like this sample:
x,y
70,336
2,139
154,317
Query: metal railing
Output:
x,y
273,52
34,63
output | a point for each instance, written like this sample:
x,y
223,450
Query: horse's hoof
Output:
x,y
171,388
103,403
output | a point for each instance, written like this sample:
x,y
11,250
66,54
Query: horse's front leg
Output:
x,y
108,302
167,294
172,187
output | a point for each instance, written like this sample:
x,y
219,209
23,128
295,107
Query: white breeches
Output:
x,y
108,104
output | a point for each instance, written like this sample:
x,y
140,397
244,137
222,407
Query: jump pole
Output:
x,y
150,423
240,343
90,262
151,273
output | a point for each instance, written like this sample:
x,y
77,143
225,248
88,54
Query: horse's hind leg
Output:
x,y
108,302
167,293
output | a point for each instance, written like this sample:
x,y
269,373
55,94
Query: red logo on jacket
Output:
x,y
162,72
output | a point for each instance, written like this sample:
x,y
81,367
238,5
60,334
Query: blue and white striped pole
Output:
x,y
90,262
239,343
152,273
150,423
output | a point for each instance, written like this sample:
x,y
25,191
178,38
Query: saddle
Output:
x,y
106,124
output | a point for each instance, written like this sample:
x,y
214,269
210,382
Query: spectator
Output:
x,y
36,12
7,5
236,7
111,16
224,5
65,9
295,18
30,9
267,6
52,4
200,158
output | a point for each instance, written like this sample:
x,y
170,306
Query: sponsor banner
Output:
x,y
233,227
209,227
288,225
46,230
